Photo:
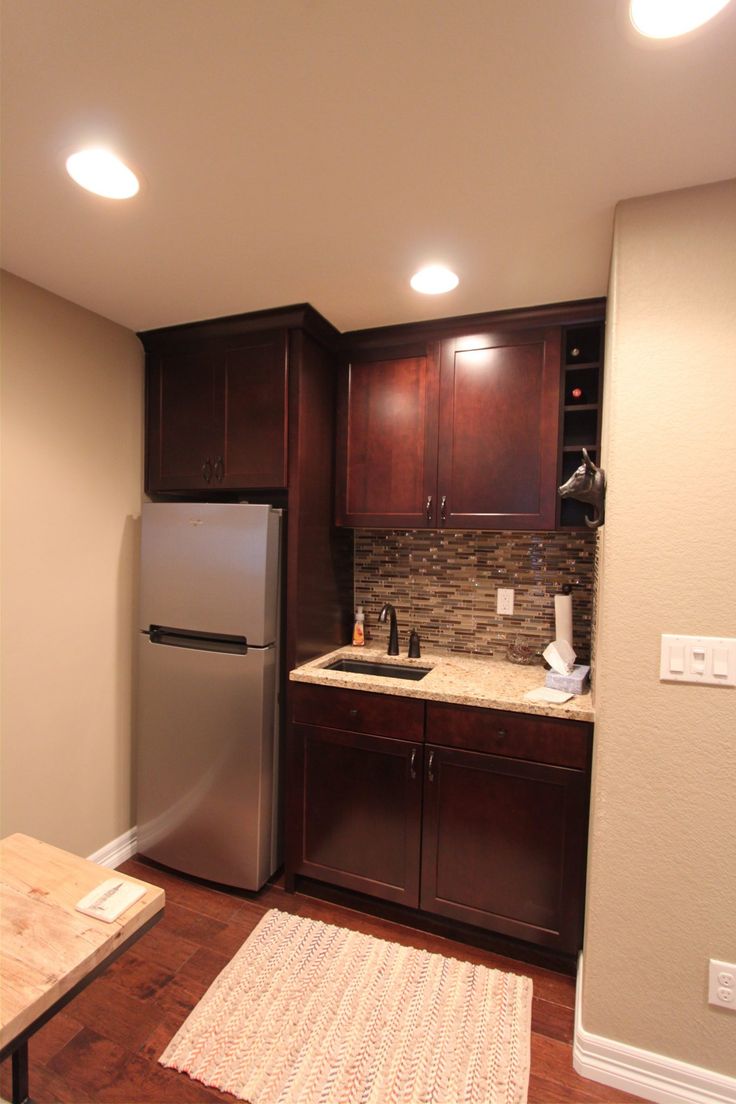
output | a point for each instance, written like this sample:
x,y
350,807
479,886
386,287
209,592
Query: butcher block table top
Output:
x,y
47,948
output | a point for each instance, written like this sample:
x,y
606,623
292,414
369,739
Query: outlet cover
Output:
x,y
504,600
722,984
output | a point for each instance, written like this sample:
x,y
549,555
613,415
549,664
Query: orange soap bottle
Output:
x,y
359,628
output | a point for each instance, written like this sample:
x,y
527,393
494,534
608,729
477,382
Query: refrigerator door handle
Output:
x,y
202,641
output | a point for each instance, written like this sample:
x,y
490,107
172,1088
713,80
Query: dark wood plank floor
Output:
x,y
104,1047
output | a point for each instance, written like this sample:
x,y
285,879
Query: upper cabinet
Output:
x,y
459,422
498,430
387,439
217,411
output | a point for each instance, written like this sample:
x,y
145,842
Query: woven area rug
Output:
x,y
308,1013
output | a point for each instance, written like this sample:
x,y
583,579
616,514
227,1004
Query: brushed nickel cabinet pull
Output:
x,y
430,767
207,470
413,763
219,469
428,508
353,713
502,733
443,508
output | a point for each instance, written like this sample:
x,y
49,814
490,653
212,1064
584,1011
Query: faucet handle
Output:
x,y
414,649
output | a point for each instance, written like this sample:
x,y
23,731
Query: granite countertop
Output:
x,y
482,681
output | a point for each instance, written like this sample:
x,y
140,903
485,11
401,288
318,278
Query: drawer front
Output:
x,y
358,711
550,740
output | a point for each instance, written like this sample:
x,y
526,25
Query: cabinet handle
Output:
x,y
502,734
207,471
443,507
428,508
430,767
413,763
353,712
219,469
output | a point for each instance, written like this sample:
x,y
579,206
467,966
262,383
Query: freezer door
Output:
x,y
211,567
206,775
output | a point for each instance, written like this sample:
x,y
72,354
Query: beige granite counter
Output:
x,y
465,680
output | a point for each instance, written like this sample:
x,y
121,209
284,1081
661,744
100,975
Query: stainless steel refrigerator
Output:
x,y
208,723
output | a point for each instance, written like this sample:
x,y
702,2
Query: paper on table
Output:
x,y
109,900
544,694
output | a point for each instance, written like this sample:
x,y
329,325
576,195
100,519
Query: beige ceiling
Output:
x,y
319,150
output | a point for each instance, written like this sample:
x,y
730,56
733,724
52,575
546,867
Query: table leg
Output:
x,y
20,1074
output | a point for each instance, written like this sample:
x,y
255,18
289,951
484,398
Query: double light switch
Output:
x,y
705,659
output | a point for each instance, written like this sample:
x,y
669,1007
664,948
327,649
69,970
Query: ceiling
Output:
x,y
320,150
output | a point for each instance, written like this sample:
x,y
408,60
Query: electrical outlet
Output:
x,y
504,600
722,984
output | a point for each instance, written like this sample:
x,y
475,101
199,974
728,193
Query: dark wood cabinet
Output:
x,y
244,407
458,422
356,798
504,845
485,823
498,430
387,444
217,413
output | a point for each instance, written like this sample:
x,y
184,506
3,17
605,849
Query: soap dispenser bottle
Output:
x,y
359,628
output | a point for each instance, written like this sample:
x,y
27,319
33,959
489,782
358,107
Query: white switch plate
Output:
x,y
504,600
710,660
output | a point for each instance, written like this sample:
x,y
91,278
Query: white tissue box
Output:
x,y
574,683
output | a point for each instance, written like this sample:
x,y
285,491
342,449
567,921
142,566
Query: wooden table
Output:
x,y
49,952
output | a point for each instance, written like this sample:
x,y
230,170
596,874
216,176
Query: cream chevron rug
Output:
x,y
308,1013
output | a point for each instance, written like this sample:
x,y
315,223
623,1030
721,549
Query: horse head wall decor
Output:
x,y
587,484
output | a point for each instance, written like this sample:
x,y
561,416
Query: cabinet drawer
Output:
x,y
358,711
551,740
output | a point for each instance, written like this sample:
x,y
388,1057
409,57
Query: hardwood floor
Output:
x,y
104,1047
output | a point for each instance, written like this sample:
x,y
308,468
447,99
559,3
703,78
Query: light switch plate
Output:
x,y
710,660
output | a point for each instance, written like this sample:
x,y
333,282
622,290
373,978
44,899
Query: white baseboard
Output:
x,y
117,850
642,1072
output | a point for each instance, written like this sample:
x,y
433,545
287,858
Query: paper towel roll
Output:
x,y
563,617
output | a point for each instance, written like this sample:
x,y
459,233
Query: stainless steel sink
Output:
x,y
387,670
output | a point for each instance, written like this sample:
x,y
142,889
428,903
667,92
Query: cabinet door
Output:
x,y
252,386
358,811
181,419
499,419
387,434
504,845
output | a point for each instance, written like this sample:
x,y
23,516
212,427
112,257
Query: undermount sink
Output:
x,y
387,670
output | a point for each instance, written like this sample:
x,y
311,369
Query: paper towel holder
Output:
x,y
587,484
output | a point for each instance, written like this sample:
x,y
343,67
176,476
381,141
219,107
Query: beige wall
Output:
x,y
662,888
71,494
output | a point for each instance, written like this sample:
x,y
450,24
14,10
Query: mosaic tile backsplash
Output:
x,y
443,584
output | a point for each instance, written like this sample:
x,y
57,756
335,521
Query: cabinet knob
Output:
x,y
443,507
428,508
353,712
502,734
207,470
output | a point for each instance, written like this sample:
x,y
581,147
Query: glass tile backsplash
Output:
x,y
443,583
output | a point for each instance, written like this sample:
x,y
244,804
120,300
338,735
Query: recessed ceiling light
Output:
x,y
103,173
670,18
434,279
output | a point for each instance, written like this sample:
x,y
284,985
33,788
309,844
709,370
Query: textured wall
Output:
x,y
71,493
661,891
443,583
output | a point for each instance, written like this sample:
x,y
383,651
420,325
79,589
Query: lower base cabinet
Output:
x,y
485,823
360,806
